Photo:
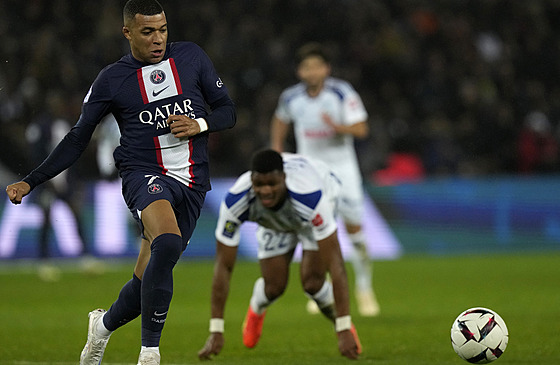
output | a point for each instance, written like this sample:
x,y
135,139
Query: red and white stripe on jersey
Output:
x,y
174,156
159,81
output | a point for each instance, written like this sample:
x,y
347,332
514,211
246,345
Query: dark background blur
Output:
x,y
469,87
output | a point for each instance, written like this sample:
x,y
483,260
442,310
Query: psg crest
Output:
x,y
155,188
157,76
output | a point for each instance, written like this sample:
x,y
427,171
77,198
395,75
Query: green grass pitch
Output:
x,y
420,296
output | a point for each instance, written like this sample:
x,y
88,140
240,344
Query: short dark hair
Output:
x,y
267,160
312,49
144,7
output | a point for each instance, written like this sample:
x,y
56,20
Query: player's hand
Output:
x,y
213,346
183,126
17,191
336,128
328,120
347,345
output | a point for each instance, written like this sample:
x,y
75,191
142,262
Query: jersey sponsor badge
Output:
x,y
317,221
229,229
159,81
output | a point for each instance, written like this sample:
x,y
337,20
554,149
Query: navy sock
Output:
x,y
157,286
126,307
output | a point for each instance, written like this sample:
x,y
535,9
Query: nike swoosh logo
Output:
x,y
159,314
156,93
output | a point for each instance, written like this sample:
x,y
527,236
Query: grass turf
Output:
x,y
420,296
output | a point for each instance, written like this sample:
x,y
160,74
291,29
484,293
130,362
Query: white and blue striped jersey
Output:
x,y
309,209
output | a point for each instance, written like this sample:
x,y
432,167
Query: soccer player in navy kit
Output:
x,y
159,95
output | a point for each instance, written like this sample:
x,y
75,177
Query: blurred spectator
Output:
x,y
404,164
402,168
537,145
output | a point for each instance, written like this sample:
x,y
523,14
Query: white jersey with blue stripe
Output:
x,y
309,209
314,138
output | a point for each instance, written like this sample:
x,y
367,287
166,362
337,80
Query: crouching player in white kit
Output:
x,y
293,199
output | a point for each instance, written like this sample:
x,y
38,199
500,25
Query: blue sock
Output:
x,y
157,286
126,307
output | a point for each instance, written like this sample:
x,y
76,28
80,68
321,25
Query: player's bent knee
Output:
x,y
312,285
274,291
168,245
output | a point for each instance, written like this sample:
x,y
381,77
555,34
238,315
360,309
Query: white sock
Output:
x,y
259,301
325,296
101,329
361,262
149,349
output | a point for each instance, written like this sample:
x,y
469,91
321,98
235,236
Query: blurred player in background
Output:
x,y
292,199
327,114
108,138
42,135
159,94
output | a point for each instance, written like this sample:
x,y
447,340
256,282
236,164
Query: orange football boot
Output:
x,y
252,328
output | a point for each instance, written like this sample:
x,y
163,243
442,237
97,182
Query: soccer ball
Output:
x,y
479,335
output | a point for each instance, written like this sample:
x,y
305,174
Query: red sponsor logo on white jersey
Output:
x,y
317,221
324,133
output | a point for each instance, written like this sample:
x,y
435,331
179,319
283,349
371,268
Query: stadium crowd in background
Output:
x,y
468,87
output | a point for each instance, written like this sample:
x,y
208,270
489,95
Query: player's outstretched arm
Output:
x,y
329,249
17,191
358,130
223,268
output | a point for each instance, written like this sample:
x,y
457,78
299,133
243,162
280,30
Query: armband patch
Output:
x,y
229,229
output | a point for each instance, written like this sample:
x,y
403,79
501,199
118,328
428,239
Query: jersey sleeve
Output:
x,y
312,196
353,107
323,221
97,102
282,111
234,210
215,92
228,227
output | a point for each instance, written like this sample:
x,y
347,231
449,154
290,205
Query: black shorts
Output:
x,y
140,190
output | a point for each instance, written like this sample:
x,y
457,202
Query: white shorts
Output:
x,y
273,243
351,206
351,201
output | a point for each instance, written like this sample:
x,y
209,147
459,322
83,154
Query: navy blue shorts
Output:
x,y
140,190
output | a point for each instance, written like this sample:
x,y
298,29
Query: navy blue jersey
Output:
x,y
141,97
